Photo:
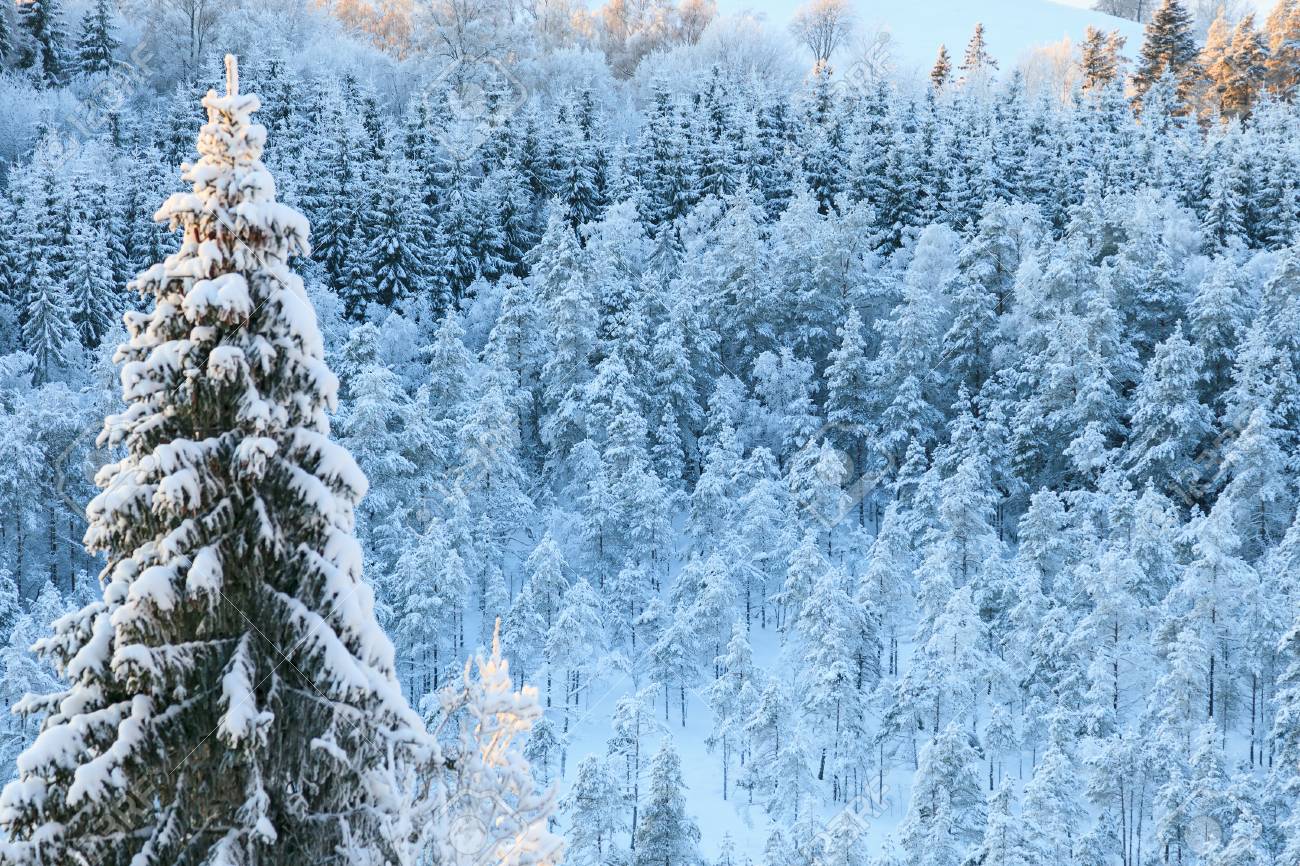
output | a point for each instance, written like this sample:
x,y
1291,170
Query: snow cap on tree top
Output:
x,y
232,75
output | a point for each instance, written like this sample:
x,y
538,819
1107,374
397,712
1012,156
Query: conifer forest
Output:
x,y
538,432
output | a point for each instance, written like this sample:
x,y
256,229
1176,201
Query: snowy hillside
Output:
x,y
857,479
1014,28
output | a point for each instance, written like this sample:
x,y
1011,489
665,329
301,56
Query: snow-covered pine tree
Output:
x,y
1218,316
597,509
973,337
492,812
1282,29
946,815
1284,779
1246,844
427,587
1100,62
941,73
525,630
1004,841
1215,62
42,45
731,697
21,672
1170,424
6,35
594,808
558,280
666,834
376,430
848,396
633,720
231,699
546,568
1051,810
738,276
839,664
1246,62
492,472
575,645
762,537
97,44
48,331
977,62
1169,49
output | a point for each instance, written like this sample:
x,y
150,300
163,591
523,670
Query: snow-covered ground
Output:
x,y
745,825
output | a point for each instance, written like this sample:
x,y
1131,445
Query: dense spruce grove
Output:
x,y
925,443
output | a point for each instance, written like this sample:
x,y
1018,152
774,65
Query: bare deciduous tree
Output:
x,y
742,46
467,32
873,56
822,25
1205,11
558,23
631,29
693,17
182,26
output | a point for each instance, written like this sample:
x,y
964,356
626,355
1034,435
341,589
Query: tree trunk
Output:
x,y
1210,715
1254,690
725,756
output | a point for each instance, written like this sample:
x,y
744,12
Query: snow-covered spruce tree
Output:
x,y
6,35
48,331
43,39
97,44
978,61
1168,49
396,258
231,700
93,301
666,834
941,72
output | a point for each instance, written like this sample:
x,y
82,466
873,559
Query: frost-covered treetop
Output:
x,y
231,699
494,793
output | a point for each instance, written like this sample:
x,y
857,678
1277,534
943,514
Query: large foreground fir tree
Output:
x,y
231,700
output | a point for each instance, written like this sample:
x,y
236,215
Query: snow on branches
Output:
x,y
492,814
231,698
